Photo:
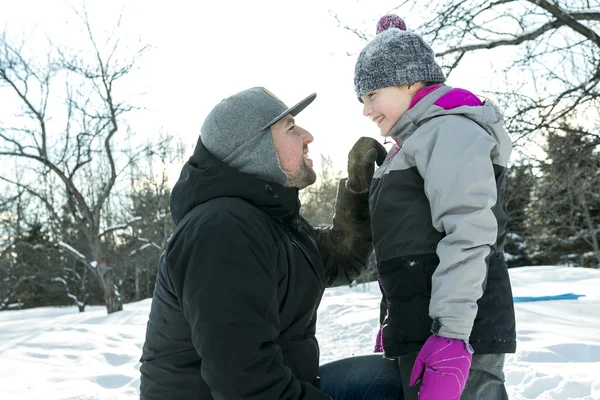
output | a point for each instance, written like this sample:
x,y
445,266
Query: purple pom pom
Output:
x,y
390,21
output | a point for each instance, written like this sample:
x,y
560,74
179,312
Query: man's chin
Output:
x,y
311,176
303,179
312,180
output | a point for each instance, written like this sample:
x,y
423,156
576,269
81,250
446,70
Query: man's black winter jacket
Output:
x,y
234,308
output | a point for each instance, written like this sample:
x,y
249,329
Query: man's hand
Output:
x,y
361,163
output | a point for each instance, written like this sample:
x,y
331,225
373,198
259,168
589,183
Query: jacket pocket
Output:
x,y
406,282
407,277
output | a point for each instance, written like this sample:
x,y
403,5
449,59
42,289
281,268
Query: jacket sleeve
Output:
x,y
460,184
226,280
346,245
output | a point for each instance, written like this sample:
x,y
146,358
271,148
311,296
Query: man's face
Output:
x,y
385,106
291,144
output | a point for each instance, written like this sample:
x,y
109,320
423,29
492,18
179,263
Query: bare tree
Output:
x,y
553,69
150,198
69,135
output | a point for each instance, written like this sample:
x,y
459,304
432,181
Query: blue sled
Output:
x,y
566,296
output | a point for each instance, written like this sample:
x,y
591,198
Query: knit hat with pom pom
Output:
x,y
395,57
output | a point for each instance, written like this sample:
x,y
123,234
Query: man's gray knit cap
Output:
x,y
395,57
238,132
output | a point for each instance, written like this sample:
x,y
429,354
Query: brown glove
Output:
x,y
361,163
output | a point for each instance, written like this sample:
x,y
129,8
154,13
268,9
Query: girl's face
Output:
x,y
386,105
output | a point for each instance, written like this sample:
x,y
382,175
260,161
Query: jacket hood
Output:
x,y
452,101
204,178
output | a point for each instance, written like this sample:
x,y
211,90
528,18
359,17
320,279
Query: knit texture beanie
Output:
x,y
395,57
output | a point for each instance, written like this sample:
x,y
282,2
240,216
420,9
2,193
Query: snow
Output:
x,y
71,249
58,353
120,226
75,299
61,280
145,246
114,228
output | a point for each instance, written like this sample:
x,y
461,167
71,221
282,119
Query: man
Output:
x,y
234,309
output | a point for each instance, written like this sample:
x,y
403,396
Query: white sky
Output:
x,y
205,51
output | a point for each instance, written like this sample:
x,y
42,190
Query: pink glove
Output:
x,y
379,342
443,365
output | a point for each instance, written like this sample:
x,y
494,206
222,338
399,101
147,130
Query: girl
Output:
x,y
438,219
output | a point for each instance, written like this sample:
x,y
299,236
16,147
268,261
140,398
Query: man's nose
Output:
x,y
307,137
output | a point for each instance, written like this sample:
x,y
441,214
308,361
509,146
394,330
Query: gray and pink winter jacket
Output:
x,y
439,225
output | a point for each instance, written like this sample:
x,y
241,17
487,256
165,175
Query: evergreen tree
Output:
x,y
567,199
519,186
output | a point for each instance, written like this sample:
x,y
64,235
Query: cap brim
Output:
x,y
294,110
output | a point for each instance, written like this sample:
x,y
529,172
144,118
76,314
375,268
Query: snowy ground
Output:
x,y
57,353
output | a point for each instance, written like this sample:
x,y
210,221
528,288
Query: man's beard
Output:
x,y
301,178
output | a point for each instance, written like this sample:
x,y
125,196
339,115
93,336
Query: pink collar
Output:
x,y
422,93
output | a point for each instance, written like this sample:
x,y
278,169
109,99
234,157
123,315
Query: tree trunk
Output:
x,y
112,300
137,282
148,290
591,227
112,297
83,294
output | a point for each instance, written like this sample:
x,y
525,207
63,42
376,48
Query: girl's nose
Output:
x,y
367,109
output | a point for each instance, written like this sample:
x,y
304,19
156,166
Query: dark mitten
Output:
x,y
361,163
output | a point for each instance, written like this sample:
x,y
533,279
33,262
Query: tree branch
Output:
x,y
14,142
68,182
355,31
567,19
504,42
586,15
39,116
119,227
49,206
524,37
456,62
